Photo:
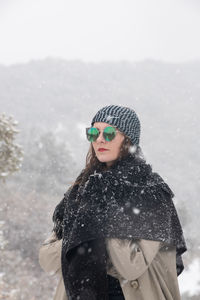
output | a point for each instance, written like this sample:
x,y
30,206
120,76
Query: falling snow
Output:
x,y
136,210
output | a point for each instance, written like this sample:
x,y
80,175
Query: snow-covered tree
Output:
x,y
11,154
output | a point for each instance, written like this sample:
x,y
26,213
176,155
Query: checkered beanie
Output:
x,y
124,118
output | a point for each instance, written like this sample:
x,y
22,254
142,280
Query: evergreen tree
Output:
x,y
11,154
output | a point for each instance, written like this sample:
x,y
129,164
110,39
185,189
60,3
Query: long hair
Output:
x,y
92,162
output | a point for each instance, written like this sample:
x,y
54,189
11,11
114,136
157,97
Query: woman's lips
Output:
x,y
102,149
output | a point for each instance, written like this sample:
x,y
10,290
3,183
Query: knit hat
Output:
x,y
124,118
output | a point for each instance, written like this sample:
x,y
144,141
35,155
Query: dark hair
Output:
x,y
92,162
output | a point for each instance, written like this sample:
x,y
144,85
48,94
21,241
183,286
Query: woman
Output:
x,y
116,234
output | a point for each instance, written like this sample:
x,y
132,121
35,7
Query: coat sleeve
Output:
x,y
50,255
132,258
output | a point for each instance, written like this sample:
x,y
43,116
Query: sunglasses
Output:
x,y
93,133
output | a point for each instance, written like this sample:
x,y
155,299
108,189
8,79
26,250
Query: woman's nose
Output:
x,y
100,138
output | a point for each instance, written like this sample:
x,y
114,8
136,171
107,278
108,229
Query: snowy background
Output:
x,y
58,65
54,101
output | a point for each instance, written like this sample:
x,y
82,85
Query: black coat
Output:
x,y
128,201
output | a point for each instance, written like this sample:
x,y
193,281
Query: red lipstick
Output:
x,y
102,149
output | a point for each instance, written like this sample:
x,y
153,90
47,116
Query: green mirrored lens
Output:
x,y
92,134
109,133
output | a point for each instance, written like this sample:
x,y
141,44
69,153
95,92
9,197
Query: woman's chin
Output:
x,y
102,157
105,159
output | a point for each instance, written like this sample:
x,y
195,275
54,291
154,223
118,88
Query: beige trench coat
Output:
x,y
145,269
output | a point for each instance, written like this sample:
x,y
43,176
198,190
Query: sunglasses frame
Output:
x,y
116,130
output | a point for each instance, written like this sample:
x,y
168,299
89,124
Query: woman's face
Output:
x,y
112,148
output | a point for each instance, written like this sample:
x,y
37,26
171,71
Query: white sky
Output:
x,y
99,30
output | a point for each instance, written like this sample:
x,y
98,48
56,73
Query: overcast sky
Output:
x,y
99,30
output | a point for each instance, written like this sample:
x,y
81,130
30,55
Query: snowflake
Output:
x,y
136,211
132,149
